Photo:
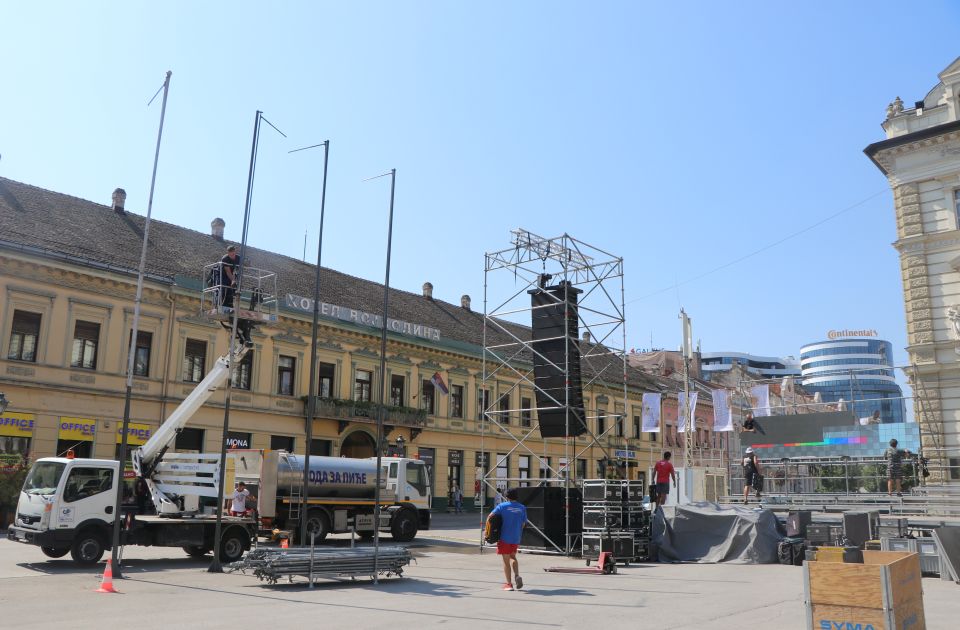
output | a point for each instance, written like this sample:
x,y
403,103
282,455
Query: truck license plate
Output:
x,y
364,522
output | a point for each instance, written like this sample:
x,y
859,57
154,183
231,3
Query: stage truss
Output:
x,y
508,354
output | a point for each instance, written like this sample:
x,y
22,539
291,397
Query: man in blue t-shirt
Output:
x,y
514,515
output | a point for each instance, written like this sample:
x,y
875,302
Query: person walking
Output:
x,y
514,517
457,495
751,474
894,457
664,472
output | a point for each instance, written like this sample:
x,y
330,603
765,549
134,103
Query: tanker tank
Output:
x,y
329,476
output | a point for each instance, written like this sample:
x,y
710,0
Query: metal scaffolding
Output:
x,y
591,277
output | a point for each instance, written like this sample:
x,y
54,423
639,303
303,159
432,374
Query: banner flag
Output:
x,y
651,413
722,414
437,381
681,421
760,400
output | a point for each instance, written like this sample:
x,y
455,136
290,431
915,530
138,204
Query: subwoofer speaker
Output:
x,y
556,360
546,511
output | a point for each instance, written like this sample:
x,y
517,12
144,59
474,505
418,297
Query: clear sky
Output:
x,y
681,135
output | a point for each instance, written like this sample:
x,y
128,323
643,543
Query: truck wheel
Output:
x,y
52,552
231,547
403,526
87,548
317,522
365,535
196,551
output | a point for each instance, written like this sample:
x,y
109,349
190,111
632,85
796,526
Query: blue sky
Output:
x,y
680,135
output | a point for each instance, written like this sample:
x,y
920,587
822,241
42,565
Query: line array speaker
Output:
x,y
556,360
545,510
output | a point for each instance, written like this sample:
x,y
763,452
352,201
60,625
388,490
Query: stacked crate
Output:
x,y
615,520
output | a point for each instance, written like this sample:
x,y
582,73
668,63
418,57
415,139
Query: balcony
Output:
x,y
360,411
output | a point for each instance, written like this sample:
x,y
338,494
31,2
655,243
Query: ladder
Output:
x,y
929,420
296,501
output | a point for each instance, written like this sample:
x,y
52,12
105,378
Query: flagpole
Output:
x,y
131,358
383,383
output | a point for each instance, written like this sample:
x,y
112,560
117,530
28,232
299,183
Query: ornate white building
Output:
x,y
921,159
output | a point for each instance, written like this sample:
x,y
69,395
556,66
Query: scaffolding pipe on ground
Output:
x,y
272,564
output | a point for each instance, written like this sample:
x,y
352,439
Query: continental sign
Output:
x,y
839,334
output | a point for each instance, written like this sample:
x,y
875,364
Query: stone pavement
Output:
x,y
451,584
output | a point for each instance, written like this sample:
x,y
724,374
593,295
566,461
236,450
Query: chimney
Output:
x,y
586,336
465,301
428,290
216,228
119,198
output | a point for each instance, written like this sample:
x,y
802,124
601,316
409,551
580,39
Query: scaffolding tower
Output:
x,y
590,282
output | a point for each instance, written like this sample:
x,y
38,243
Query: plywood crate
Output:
x,y
883,593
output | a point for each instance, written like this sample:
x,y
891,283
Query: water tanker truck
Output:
x,y
340,494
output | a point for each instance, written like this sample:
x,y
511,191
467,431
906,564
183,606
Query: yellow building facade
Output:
x,y
65,329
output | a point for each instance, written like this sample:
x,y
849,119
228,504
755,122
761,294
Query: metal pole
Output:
x,y
122,457
311,397
215,566
383,384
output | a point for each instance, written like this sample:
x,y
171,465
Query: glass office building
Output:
x,y
856,369
767,367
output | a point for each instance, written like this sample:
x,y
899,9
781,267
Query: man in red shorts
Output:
x,y
514,517
664,473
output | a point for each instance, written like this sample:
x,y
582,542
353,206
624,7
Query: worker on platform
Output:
x,y
751,474
894,457
664,472
229,266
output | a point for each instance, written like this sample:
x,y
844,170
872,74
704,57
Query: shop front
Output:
x,y
16,434
76,435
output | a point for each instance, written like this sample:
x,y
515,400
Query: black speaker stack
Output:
x,y
547,509
556,359
615,520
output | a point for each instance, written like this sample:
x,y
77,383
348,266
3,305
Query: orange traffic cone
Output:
x,y
283,543
106,585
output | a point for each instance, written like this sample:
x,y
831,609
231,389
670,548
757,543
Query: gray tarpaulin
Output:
x,y
706,532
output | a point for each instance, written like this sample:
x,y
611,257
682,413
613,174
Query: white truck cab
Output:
x,y
67,506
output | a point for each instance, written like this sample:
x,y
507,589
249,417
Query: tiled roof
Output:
x,y
94,233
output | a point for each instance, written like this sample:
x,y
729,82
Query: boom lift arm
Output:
x,y
175,476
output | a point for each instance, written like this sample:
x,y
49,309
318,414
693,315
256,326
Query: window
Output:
x,y
483,401
524,469
544,467
417,477
24,336
619,420
504,407
668,434
361,385
427,397
189,441
526,413
282,443
87,482
80,449
637,433
241,375
14,447
601,422
321,448
325,373
86,336
581,469
194,361
456,401
141,353
396,390
503,471
956,203
285,370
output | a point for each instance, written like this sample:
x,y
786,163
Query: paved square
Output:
x,y
450,585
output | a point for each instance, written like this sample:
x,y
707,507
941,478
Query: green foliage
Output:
x,y
12,475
